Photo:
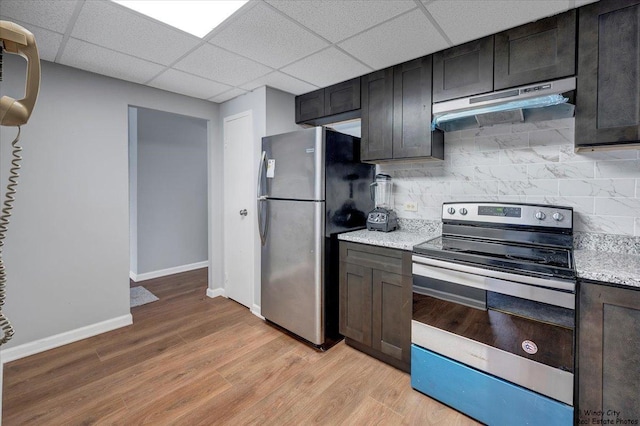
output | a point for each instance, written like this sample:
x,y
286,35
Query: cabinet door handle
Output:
x,y
243,212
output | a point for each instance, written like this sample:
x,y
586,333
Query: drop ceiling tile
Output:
x,y
90,57
336,20
187,84
464,20
214,63
115,27
406,37
268,37
48,42
51,15
281,81
326,67
228,95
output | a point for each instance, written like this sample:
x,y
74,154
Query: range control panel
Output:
x,y
513,214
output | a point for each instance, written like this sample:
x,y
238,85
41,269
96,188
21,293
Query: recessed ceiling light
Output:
x,y
197,17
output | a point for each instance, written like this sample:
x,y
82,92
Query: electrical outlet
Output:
x,y
410,207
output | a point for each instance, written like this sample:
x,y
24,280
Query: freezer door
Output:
x,y
292,267
295,165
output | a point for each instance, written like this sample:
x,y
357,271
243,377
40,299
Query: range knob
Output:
x,y
557,216
540,215
463,211
451,210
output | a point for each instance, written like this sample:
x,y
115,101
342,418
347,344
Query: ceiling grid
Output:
x,y
294,46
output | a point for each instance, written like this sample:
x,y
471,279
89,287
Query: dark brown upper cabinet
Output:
x,y
412,135
534,52
342,97
396,114
377,115
539,51
310,106
608,86
464,70
334,103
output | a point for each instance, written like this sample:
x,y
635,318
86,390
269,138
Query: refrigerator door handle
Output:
x,y
262,213
261,170
263,219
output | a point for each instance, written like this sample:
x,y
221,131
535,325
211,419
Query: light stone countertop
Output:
x,y
399,239
607,267
616,268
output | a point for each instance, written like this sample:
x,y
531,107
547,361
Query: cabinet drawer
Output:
x,y
391,260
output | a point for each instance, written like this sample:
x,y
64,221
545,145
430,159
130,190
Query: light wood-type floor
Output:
x,y
191,360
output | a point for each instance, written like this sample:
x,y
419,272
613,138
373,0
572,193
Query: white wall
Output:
x,y
281,112
67,250
172,190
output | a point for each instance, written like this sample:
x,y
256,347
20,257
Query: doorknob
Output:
x,y
243,212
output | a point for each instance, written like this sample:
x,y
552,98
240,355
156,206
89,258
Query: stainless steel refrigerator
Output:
x,y
311,187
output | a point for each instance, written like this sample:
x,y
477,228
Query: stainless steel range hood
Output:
x,y
535,102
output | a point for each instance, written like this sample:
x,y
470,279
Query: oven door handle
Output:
x,y
511,288
552,283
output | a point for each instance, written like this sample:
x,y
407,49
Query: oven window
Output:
x,y
507,323
531,309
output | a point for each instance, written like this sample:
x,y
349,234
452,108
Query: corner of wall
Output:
x,y
280,112
215,292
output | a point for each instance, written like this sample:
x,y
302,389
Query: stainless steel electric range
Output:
x,y
494,312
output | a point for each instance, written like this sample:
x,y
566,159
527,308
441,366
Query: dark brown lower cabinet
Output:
x,y
608,354
375,301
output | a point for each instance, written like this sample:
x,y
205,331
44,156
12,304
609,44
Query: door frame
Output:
x,y
132,169
255,244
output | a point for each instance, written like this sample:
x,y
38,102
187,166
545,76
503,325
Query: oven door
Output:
x,y
515,327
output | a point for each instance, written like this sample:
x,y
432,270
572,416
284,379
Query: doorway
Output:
x,y
239,207
168,193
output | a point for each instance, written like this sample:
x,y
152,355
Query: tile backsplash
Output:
x,y
531,163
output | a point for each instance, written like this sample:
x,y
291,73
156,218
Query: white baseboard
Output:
x,y
169,271
256,310
67,337
215,292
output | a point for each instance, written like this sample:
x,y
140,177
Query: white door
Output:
x,y
239,208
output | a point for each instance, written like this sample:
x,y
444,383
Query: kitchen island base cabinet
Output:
x,y
375,301
609,354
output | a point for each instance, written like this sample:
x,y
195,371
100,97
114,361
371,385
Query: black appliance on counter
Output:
x,y
382,217
493,325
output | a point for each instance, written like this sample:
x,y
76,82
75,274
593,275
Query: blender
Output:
x,y
382,218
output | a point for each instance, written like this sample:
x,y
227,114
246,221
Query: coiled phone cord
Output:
x,y
5,325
